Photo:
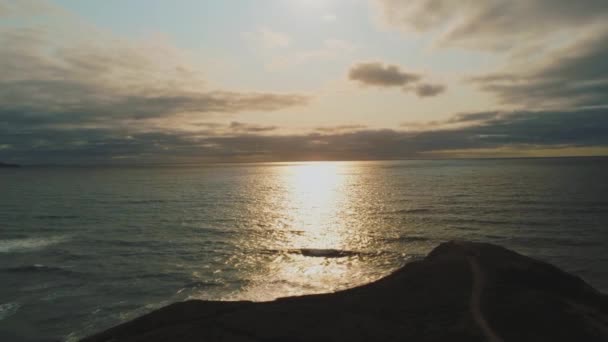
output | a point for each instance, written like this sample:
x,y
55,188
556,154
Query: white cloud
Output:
x,y
494,24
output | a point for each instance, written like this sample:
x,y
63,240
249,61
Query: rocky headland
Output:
x,y
460,292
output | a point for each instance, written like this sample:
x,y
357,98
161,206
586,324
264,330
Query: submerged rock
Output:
x,y
459,292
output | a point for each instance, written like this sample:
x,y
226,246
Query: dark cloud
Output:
x,y
250,128
70,92
64,102
378,74
340,128
573,76
559,48
496,24
71,95
545,128
429,90
487,130
381,75
473,117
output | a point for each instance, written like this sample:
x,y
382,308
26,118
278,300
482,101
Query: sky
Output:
x,y
158,81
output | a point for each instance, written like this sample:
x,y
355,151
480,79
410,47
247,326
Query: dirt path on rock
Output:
x,y
476,291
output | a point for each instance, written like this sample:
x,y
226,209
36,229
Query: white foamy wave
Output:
x,y
24,245
8,309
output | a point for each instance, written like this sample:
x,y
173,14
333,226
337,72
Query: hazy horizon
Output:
x,y
298,162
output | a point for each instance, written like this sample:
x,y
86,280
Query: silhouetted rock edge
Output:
x,y
461,291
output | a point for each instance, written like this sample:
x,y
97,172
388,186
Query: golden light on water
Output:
x,y
315,202
316,195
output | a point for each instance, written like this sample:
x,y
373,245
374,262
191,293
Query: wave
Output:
x,y
492,222
408,238
8,309
29,244
411,211
553,241
203,284
146,201
35,268
330,253
56,217
325,253
317,252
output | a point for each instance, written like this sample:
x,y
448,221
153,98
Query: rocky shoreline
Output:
x,y
461,291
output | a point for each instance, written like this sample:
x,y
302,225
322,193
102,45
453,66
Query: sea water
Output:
x,y
85,248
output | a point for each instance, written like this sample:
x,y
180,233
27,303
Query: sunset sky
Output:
x,y
141,81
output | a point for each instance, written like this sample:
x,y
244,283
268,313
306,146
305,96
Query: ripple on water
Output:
x,y
38,268
8,309
323,252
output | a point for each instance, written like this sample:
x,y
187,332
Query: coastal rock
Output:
x,y
460,292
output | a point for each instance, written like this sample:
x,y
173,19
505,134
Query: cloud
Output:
x,y
340,128
268,38
56,76
429,90
387,76
82,96
483,132
10,8
250,128
473,117
576,75
494,24
556,49
380,75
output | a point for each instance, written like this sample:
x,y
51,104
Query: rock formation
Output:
x,y
459,292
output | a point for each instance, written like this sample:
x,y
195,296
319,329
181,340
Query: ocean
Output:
x,y
85,248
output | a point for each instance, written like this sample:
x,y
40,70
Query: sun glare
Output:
x,y
314,201
315,198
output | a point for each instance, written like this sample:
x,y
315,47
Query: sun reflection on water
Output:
x,y
313,244
316,195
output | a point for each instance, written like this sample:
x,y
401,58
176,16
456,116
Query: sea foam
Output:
x,y
28,244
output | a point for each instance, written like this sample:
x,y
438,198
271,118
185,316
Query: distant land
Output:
x,y
8,165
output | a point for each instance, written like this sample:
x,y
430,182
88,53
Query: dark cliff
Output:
x,y
459,292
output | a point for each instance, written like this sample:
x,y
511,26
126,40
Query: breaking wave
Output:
x,y
29,244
